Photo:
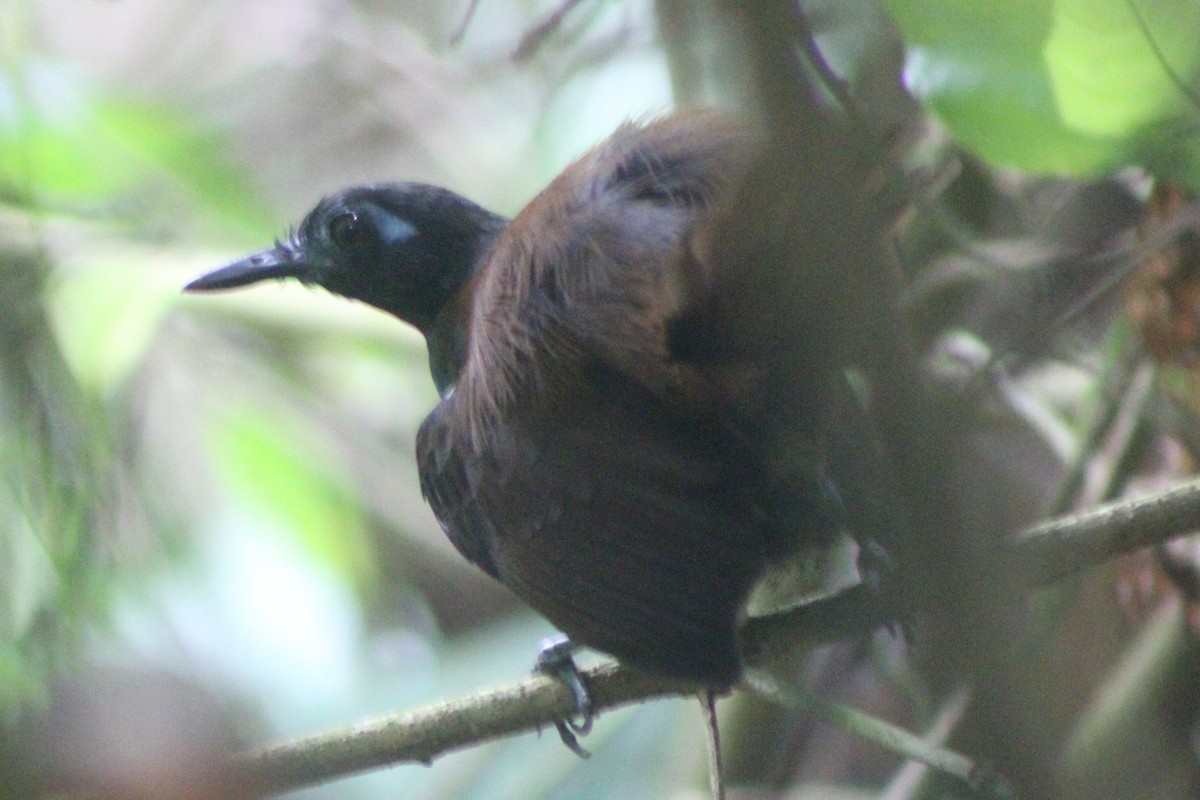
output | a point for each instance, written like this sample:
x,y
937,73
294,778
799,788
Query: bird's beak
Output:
x,y
280,261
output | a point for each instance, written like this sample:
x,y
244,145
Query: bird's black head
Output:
x,y
406,248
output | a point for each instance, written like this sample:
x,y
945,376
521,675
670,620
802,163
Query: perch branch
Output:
x,y
1044,553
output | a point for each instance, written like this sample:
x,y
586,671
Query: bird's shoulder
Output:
x,y
598,265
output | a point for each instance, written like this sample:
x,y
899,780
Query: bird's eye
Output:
x,y
348,230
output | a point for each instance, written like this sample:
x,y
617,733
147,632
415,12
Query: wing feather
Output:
x,y
586,458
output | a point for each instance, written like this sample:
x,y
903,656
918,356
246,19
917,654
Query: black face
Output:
x,y
405,248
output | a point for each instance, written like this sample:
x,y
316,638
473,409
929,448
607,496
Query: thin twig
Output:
x,y
909,780
1182,86
1067,545
533,38
461,31
977,778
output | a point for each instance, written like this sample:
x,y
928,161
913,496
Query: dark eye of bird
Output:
x,y
348,230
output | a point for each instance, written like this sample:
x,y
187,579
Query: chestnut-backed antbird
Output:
x,y
611,443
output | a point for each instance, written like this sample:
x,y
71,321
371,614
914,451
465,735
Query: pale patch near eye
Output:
x,y
394,229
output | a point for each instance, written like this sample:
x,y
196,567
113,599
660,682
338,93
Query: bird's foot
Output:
x,y
875,565
556,659
878,572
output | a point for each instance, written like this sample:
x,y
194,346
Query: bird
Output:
x,y
629,430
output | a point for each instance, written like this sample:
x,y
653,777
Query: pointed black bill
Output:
x,y
278,262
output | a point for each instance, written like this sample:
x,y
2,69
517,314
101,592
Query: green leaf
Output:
x,y
159,139
106,312
272,467
1111,74
62,142
21,682
1060,86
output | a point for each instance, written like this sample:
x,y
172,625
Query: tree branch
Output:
x,y
1044,553
423,734
1053,550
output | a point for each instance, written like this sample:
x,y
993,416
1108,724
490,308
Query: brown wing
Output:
x,y
599,266
449,488
626,522
584,458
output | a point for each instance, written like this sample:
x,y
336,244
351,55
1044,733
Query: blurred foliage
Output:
x,y
1062,86
65,144
222,491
